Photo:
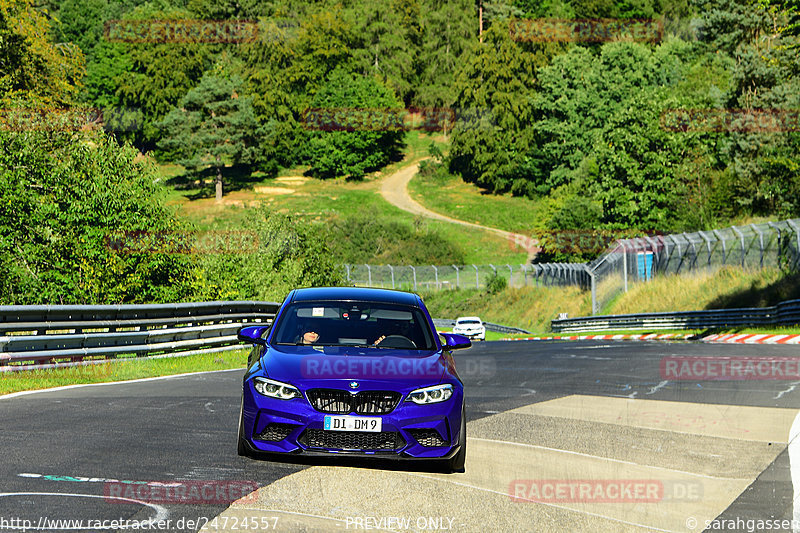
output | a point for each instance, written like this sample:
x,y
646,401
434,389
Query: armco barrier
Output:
x,y
784,314
51,336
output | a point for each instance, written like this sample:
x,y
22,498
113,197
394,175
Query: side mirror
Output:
x,y
454,341
252,334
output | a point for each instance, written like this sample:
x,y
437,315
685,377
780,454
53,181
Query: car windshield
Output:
x,y
461,322
364,324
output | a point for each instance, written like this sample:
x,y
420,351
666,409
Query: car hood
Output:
x,y
337,366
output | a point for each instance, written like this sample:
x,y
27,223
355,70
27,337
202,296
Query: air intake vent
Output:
x,y
427,437
275,432
352,440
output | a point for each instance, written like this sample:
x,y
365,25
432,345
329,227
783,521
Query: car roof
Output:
x,y
468,318
355,294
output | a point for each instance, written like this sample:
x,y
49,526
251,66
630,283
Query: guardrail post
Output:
x,y
760,244
457,286
391,270
741,236
436,275
369,276
510,275
347,268
477,280
414,270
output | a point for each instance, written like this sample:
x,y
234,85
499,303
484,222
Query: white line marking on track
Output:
x,y
657,387
106,383
794,469
793,385
161,513
570,452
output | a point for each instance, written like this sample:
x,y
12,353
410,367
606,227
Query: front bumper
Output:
x,y
472,334
409,431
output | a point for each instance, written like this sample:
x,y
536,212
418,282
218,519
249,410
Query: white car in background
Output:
x,y
470,326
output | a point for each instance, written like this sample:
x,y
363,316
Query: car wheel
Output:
x,y
456,463
242,448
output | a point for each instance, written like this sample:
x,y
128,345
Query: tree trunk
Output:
x,y
218,182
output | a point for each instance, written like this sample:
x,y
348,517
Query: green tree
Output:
x,y
287,255
211,127
366,148
33,70
492,132
449,29
140,82
389,37
64,199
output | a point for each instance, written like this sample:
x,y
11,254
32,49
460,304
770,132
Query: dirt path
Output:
x,y
395,190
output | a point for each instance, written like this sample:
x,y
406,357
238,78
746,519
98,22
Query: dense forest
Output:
x,y
590,124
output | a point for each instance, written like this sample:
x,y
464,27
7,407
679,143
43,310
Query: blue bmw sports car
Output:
x,y
353,371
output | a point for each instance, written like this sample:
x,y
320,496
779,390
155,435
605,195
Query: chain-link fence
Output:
x,y
439,277
627,261
755,246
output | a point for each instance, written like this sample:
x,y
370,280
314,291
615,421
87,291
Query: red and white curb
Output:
x,y
728,338
749,338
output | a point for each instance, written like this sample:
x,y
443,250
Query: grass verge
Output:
x,y
451,196
135,368
319,201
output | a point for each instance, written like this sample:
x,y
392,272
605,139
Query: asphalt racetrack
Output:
x,y
563,436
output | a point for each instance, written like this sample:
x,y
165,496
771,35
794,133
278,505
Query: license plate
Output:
x,y
352,423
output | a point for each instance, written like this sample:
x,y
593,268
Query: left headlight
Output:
x,y
275,389
435,394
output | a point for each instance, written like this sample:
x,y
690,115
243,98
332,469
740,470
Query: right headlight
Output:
x,y
435,394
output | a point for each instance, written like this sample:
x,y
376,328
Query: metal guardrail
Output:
x,y
52,336
449,323
784,314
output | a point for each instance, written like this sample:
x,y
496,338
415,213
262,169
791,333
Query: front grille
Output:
x,y
342,402
352,440
275,432
375,402
427,437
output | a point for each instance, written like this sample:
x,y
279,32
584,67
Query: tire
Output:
x,y
456,463
242,448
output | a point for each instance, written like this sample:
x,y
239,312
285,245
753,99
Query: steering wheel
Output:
x,y
398,341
